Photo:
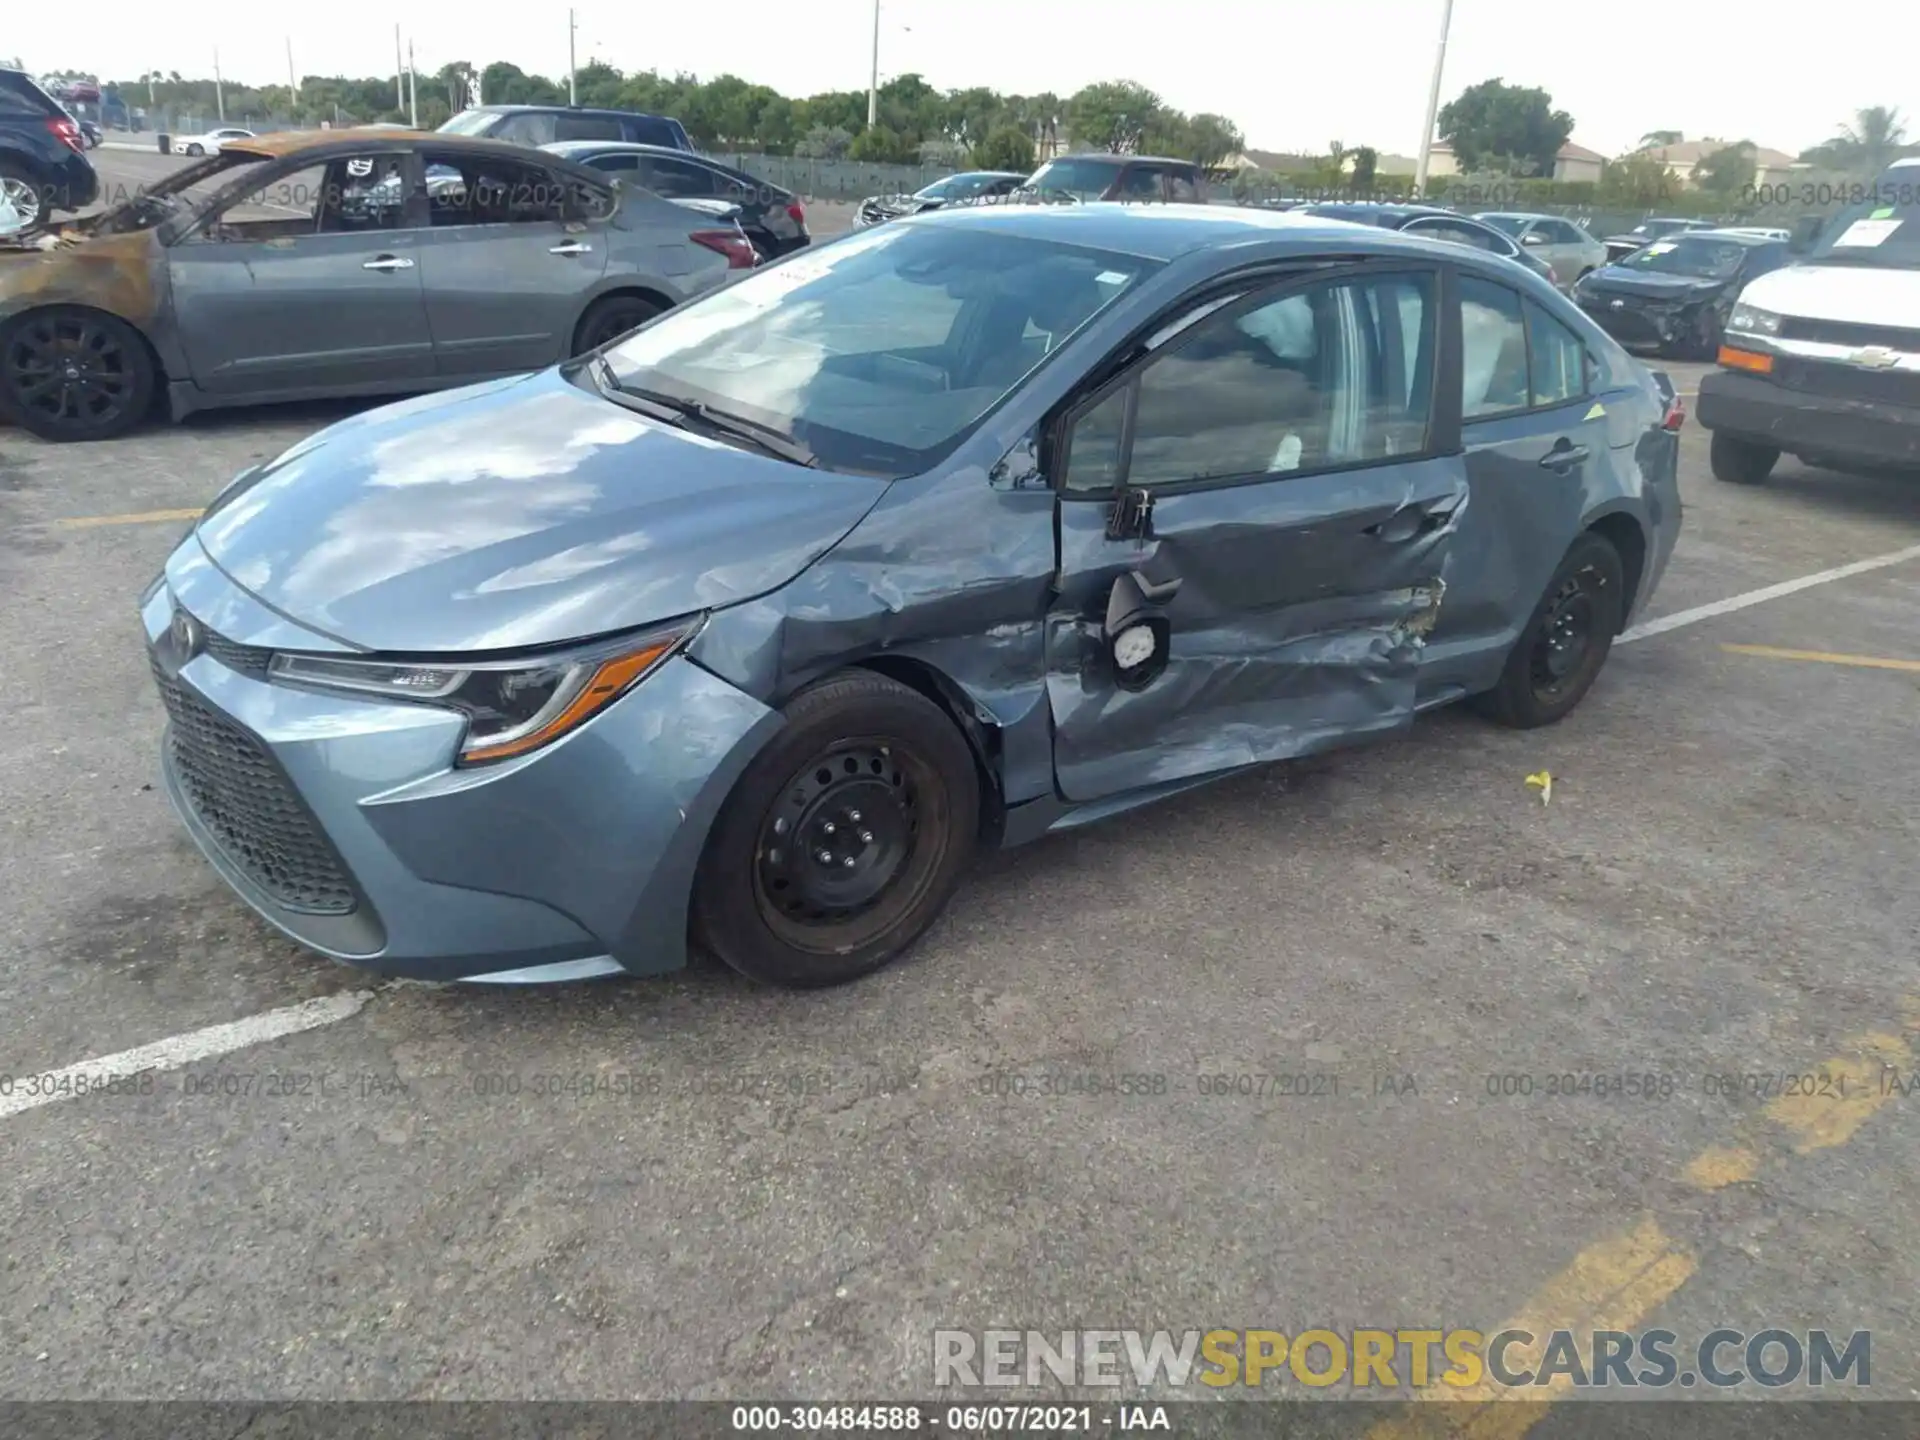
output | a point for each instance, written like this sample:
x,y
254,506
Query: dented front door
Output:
x,y
1270,477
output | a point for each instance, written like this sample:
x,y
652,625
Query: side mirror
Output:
x,y
1806,233
1533,237
1138,633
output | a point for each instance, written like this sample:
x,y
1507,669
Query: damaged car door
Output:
x,y
1253,520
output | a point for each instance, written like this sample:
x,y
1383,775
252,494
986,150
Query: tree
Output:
x,y
1659,139
1874,141
878,145
1494,118
1728,170
1212,139
824,142
1366,160
1113,115
1637,179
1007,148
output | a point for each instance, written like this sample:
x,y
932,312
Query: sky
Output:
x,y
1293,75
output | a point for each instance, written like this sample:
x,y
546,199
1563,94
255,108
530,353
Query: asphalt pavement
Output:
x,y
763,1194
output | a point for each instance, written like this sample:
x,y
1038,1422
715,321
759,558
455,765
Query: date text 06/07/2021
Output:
x,y
949,1419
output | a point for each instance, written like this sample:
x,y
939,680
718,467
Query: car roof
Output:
x,y
1163,231
1512,215
1737,237
1107,157
627,147
985,175
1388,209
324,143
562,110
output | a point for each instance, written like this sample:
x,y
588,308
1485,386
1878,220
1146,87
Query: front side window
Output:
x,y
350,194
1141,182
533,128
1183,186
1339,373
616,163
882,351
470,122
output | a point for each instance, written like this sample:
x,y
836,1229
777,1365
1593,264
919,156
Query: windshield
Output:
x,y
954,187
469,122
1508,225
1686,255
1879,235
880,352
1083,179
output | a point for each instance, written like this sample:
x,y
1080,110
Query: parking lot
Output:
x,y
373,1190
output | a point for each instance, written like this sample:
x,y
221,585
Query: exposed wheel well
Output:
x,y
1624,534
625,292
153,355
982,740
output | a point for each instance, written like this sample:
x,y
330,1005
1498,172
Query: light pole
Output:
x,y
1433,101
573,96
219,94
413,90
873,85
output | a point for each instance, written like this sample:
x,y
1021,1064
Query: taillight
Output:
x,y
730,243
66,132
797,212
1676,415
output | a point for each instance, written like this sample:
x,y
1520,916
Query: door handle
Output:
x,y
1412,521
572,247
1564,456
388,262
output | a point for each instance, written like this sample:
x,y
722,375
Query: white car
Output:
x,y
208,143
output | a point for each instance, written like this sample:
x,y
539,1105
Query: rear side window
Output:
x,y
1183,185
1141,182
680,179
19,95
1493,349
651,130
586,127
1558,367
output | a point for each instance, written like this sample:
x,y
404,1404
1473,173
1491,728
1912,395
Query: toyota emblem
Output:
x,y
185,632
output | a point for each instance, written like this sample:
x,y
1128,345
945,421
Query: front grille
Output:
x,y
247,659
1841,332
1848,382
238,791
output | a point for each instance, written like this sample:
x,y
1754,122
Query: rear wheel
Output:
x,y
1740,462
1567,640
843,839
68,373
610,317
196,149
23,208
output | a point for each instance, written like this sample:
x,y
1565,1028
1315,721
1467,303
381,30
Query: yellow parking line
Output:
x,y
143,517
1869,662
1833,1099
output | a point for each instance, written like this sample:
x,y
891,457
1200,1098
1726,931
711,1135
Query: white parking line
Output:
x,y
1674,621
27,1092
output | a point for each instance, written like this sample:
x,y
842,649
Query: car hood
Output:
x,y
518,513
1851,294
1619,280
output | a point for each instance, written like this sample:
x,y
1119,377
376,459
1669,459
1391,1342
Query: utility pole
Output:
x,y
413,90
219,93
573,96
399,69
873,86
1433,101
293,81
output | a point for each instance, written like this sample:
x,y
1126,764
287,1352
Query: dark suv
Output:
x,y
43,163
538,125
1098,176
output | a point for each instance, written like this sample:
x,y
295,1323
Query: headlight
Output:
x,y
512,706
1752,320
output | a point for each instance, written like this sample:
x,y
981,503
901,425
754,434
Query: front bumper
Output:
x,y
1814,426
1641,325
343,822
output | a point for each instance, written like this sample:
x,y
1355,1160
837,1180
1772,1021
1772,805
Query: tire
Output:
x,y
1740,462
859,750
28,196
196,149
108,390
1584,605
610,317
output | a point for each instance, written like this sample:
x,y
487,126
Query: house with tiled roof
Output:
x,y
1683,157
1571,162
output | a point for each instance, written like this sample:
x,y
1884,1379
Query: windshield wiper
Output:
x,y
672,408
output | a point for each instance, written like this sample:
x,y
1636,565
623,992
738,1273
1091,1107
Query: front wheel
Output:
x,y
68,373
844,838
1740,462
196,149
1567,639
23,208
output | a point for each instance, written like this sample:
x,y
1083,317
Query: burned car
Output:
x,y
335,263
747,630
973,187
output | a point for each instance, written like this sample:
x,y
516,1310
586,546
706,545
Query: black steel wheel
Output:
x,y
843,839
69,373
611,317
1567,640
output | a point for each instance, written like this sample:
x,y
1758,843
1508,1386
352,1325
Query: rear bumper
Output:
x,y
1814,427
348,828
